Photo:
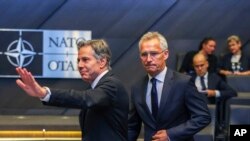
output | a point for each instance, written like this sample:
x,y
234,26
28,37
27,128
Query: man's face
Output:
x,y
234,46
88,66
200,66
153,57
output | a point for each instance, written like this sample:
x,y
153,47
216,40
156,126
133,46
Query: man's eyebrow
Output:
x,y
83,57
200,65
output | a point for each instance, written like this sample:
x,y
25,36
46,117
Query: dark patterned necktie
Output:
x,y
154,98
203,86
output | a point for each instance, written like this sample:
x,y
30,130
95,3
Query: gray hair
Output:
x,y
100,48
153,35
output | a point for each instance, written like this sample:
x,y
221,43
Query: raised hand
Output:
x,y
29,84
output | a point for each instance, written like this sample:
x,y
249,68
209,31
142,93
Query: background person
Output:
x,y
207,47
236,62
213,86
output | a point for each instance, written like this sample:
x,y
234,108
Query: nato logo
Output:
x,y
21,49
45,53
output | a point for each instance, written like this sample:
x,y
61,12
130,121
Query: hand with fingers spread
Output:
x,y
29,84
160,135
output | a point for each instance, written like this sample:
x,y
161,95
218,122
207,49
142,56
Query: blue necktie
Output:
x,y
203,86
154,98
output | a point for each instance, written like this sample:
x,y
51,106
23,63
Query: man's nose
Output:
x,y
149,57
80,64
199,67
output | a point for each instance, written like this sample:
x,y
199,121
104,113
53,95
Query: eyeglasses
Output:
x,y
152,54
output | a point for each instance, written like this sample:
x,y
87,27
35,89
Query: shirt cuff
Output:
x,y
217,93
48,94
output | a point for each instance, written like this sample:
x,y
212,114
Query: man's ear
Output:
x,y
207,64
166,54
103,62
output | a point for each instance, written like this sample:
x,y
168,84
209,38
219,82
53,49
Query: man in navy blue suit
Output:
x,y
165,101
212,86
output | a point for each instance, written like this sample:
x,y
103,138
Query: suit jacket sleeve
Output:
x,y
225,90
101,96
199,115
134,122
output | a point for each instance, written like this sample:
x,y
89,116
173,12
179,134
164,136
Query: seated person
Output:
x,y
214,87
208,83
206,47
236,62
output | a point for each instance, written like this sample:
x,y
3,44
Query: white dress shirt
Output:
x,y
159,86
199,87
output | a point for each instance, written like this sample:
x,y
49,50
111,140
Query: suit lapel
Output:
x,y
209,82
146,114
165,91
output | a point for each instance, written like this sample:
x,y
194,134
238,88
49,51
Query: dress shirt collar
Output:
x,y
161,76
98,79
205,76
235,58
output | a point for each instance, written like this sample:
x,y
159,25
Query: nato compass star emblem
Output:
x,y
20,53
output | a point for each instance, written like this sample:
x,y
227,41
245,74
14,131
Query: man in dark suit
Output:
x,y
165,101
212,86
104,107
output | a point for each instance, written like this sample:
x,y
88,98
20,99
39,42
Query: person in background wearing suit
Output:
x,y
165,101
104,107
207,47
236,62
214,87
210,84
